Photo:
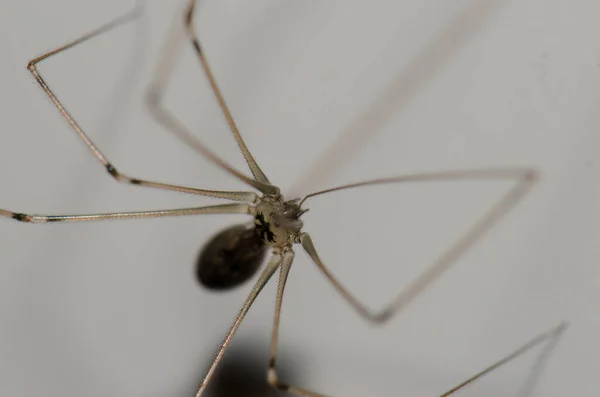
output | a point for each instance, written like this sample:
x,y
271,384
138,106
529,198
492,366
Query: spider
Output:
x,y
236,253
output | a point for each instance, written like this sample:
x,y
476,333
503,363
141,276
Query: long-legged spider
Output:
x,y
236,253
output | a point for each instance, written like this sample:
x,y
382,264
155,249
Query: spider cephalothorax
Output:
x,y
277,221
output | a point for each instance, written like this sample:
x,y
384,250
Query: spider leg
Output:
x,y
524,177
32,66
551,337
274,263
169,121
238,208
272,378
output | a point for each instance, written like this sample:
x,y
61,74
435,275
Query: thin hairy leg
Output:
x,y
265,276
524,178
110,168
240,208
551,338
154,97
272,370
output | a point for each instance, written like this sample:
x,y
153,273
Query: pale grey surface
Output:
x,y
112,309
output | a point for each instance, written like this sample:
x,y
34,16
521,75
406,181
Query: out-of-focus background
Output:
x,y
113,308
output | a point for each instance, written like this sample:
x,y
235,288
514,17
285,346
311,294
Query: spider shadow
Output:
x,y
243,372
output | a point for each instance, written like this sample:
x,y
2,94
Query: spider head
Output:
x,y
290,217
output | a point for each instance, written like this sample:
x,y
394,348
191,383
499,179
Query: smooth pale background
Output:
x,y
112,308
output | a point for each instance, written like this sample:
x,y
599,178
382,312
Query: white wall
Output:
x,y
112,308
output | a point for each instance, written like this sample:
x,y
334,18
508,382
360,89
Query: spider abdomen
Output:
x,y
230,258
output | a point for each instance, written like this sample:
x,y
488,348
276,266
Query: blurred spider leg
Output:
x,y
274,263
167,120
420,70
524,177
272,378
552,338
154,96
213,209
110,168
